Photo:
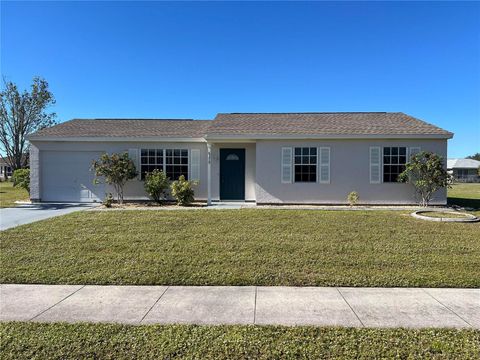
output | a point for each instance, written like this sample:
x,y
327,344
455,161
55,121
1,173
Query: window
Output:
x,y
394,160
232,157
305,162
173,161
150,160
177,163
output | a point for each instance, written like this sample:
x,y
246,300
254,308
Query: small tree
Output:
x,y
21,179
116,169
182,191
426,172
156,182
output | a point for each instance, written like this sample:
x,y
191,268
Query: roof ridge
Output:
x,y
312,112
149,119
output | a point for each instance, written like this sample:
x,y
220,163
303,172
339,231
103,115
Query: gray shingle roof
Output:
x,y
249,124
463,164
368,123
127,128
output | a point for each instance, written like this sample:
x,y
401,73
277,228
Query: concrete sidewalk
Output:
x,y
357,307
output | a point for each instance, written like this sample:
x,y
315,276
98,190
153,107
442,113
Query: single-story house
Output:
x,y
267,158
5,169
464,170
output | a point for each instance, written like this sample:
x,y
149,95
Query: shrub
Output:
x,y
353,198
116,170
426,172
108,201
21,179
156,182
182,191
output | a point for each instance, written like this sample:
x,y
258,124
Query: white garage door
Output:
x,y
66,176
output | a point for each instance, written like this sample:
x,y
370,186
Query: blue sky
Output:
x,y
192,60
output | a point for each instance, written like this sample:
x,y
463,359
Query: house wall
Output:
x,y
134,189
466,175
349,171
34,172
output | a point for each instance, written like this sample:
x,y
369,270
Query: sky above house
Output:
x,y
195,59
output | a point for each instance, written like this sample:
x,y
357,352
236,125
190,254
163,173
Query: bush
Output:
x,y
353,198
115,170
21,179
182,191
156,182
108,201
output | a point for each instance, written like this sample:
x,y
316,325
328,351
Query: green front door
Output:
x,y
232,174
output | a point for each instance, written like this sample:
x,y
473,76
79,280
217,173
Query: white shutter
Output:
x,y
324,165
375,165
412,151
133,155
195,164
287,165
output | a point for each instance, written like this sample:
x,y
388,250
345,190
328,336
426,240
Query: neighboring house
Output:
x,y
464,170
5,169
293,158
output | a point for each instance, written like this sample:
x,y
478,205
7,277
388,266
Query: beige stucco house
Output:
x,y
267,158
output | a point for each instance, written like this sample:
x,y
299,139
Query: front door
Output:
x,y
232,174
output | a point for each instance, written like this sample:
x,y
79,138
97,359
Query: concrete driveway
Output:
x,y
25,214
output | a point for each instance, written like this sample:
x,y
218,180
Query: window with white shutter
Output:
x,y
375,165
412,151
195,164
286,165
324,163
133,155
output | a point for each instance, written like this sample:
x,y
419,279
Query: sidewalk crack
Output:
x,y
448,308
155,303
351,308
66,297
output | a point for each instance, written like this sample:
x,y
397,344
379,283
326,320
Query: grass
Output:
x,y
102,341
242,247
10,194
465,195
442,214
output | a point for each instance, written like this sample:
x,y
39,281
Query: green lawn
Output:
x,y
242,247
467,195
9,194
445,214
102,341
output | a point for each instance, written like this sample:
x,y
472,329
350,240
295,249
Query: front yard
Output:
x,y
10,194
101,341
466,195
242,247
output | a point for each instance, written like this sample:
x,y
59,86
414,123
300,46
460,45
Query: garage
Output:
x,y
66,177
